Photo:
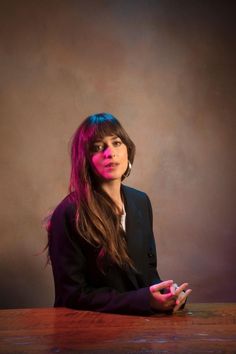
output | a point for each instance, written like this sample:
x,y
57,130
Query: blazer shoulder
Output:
x,y
66,207
133,193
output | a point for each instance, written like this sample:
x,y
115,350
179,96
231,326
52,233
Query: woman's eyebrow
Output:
x,y
113,137
98,141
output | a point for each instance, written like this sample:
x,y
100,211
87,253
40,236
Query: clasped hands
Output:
x,y
167,296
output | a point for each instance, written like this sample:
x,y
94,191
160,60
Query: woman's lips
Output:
x,y
112,165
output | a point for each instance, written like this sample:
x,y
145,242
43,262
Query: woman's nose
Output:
x,y
109,152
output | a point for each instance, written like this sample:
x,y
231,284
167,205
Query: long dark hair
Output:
x,y
97,220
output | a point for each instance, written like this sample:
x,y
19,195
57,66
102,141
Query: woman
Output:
x,y
101,242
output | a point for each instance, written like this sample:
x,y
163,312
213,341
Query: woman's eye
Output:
x,y
117,143
97,148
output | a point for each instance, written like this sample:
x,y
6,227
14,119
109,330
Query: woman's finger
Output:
x,y
160,286
181,301
181,288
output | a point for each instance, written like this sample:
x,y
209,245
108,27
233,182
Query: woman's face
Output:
x,y
109,158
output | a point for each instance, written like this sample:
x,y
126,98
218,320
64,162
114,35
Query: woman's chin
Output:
x,y
111,177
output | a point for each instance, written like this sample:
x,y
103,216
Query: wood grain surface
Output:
x,y
200,328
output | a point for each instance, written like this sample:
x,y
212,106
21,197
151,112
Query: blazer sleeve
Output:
x,y
153,275
69,263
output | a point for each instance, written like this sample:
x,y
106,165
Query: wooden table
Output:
x,y
200,328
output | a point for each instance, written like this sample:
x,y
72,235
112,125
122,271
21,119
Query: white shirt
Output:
x,y
123,218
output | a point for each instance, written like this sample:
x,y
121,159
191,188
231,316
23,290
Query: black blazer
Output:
x,y
78,281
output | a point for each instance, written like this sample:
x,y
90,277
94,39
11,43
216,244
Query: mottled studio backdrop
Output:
x,y
166,69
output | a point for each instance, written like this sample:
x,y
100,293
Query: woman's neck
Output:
x,y
112,188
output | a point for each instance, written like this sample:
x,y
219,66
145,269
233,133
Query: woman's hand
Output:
x,y
166,296
162,297
181,295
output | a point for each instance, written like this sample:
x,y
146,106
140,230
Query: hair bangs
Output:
x,y
102,125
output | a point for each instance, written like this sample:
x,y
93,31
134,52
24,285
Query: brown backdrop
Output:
x,y
166,69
